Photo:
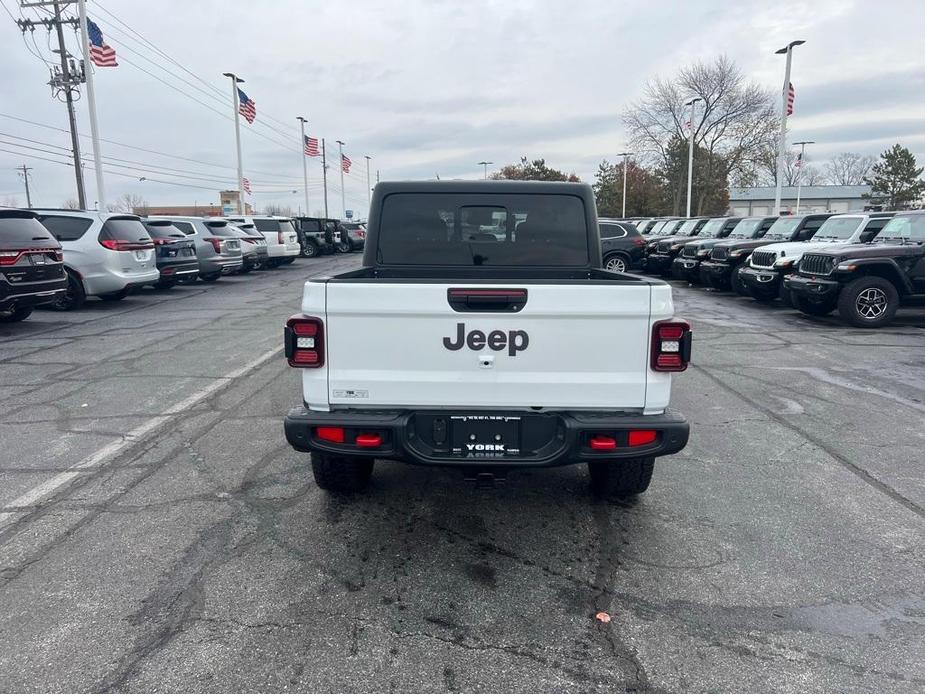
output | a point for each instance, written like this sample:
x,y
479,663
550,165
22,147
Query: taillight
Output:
x,y
671,345
12,257
601,442
332,434
641,437
121,245
639,241
9,257
361,234
216,243
280,238
163,242
304,342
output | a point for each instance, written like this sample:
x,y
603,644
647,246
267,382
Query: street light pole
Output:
x,y
91,104
369,190
484,165
302,122
782,145
690,152
624,155
24,172
802,144
235,81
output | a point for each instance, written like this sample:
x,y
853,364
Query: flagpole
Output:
x,y
343,197
782,144
369,190
800,172
304,166
690,153
324,169
91,105
235,81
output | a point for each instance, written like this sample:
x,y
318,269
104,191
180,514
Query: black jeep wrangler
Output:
x,y
865,282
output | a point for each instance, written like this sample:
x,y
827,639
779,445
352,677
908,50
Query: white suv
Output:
x,y
105,254
282,239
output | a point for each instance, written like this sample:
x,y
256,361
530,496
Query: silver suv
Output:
x,y
105,254
280,234
218,245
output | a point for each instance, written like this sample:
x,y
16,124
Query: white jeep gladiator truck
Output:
x,y
482,333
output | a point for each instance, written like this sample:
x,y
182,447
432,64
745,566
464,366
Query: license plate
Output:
x,y
38,258
141,255
484,436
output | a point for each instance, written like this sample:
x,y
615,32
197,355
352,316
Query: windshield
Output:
x,y
783,228
712,228
486,229
903,228
656,228
838,228
688,227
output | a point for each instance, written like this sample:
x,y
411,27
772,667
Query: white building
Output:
x,y
748,202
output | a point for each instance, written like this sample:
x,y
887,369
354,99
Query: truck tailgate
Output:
x,y
572,345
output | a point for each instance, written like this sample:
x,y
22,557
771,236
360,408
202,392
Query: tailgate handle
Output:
x,y
487,300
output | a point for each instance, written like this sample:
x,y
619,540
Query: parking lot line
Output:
x,y
110,450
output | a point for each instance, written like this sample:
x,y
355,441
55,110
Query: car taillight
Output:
x,y
639,241
9,257
216,243
121,245
361,234
304,342
12,257
671,345
280,238
163,242
332,434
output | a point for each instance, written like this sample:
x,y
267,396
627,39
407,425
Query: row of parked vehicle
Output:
x,y
62,257
864,265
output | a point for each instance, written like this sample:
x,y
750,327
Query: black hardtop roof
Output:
x,y
16,213
505,187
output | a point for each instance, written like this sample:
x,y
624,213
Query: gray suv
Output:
x,y
218,245
105,254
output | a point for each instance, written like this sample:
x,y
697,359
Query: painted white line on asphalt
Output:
x,y
110,450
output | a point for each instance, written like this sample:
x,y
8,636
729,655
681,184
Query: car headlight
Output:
x,y
735,254
677,247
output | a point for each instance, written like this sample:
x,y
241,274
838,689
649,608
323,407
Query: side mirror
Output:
x,y
867,236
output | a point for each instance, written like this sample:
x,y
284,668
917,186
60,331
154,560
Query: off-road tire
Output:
x,y
620,478
310,250
342,247
813,308
736,283
337,473
15,315
785,296
868,294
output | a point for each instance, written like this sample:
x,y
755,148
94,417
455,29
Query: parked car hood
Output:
x,y
738,244
844,251
795,249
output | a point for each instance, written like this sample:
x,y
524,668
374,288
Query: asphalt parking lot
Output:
x,y
157,534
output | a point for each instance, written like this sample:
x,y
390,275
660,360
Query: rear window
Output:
x,y
164,230
271,225
24,231
221,229
124,230
310,225
444,229
66,228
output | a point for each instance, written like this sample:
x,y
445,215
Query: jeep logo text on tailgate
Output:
x,y
514,340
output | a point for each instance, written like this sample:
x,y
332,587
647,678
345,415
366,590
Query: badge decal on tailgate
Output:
x,y
497,340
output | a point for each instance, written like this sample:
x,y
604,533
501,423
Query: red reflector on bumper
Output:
x,y
603,443
332,434
369,441
642,437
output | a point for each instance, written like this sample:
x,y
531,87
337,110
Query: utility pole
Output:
x,y
235,81
690,153
369,190
343,197
324,169
25,177
64,79
782,145
484,165
624,155
302,123
91,104
377,176
802,163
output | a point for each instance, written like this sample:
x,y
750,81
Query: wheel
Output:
x,y
15,315
786,296
115,296
812,308
342,247
868,302
621,478
337,473
736,283
310,250
615,263
74,297
210,278
165,284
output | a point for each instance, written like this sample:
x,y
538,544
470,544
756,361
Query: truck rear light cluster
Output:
x,y
303,338
610,441
340,435
671,345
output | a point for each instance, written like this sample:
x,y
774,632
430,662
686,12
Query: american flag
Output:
x,y
345,163
791,97
311,147
247,185
246,107
101,54
799,162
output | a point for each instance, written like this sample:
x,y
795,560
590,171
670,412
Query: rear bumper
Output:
x,y
176,269
36,295
811,287
545,439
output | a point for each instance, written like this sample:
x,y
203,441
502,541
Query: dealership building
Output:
x,y
748,202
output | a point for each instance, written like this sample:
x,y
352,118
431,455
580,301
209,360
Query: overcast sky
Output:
x,y
434,87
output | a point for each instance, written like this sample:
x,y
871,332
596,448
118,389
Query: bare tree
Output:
x,y
811,176
734,123
71,204
278,210
129,203
848,168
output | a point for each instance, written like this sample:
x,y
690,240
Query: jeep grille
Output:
x,y
817,264
720,253
664,247
690,250
763,258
